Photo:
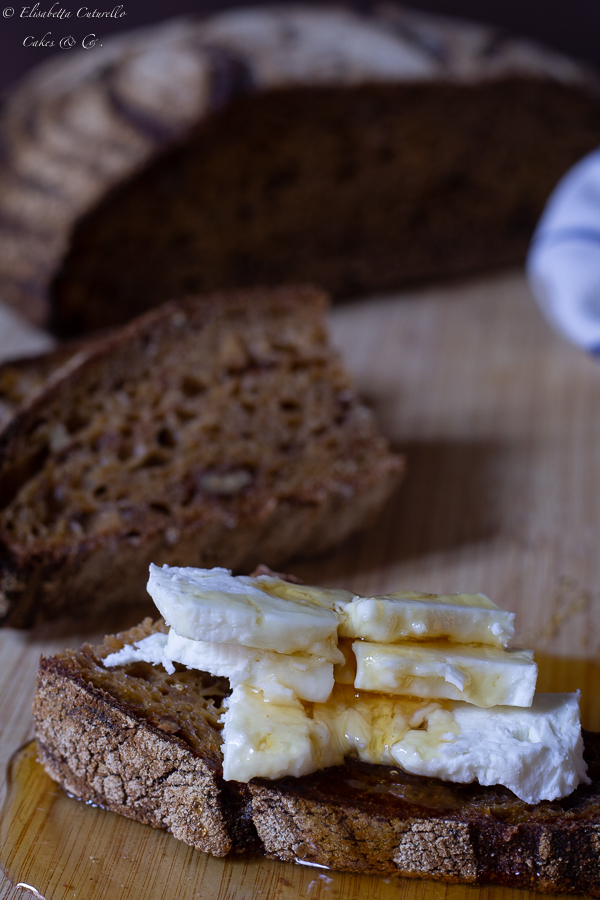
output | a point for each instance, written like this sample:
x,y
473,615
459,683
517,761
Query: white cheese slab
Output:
x,y
484,676
214,606
409,615
266,739
309,677
537,753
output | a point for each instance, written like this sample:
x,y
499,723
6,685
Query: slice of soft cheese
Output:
x,y
408,615
212,605
536,753
483,676
263,738
309,677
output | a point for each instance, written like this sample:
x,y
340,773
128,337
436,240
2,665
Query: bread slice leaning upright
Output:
x,y
219,430
147,745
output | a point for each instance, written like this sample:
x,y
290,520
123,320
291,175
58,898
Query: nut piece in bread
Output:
x,y
136,740
211,430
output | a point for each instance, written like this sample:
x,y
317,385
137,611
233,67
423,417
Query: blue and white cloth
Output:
x,y
564,259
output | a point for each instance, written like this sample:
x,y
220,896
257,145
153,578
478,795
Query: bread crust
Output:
x,y
100,753
299,822
356,818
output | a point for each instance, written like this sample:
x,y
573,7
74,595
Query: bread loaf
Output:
x,y
146,745
264,145
219,430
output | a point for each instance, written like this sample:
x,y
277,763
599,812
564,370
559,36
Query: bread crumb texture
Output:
x,y
215,431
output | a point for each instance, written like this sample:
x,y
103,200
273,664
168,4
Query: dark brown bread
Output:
x,y
213,431
359,151
357,189
136,740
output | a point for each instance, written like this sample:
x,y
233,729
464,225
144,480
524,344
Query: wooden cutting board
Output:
x,y
500,422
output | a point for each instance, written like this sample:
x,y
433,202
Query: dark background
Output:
x,y
572,26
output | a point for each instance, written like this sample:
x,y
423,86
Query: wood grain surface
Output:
x,y
500,421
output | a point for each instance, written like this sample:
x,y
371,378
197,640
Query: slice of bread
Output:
x,y
146,745
357,149
358,189
220,430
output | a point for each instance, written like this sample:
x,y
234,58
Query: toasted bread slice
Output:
x,y
212,431
147,745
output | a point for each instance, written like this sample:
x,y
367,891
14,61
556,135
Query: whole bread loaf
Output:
x,y
271,144
147,745
218,430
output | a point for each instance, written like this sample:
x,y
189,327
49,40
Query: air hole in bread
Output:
x,y
166,438
161,508
152,460
191,387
